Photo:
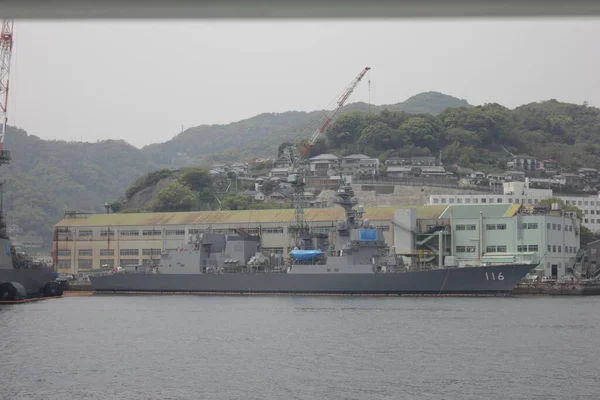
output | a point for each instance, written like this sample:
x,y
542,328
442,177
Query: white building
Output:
x,y
521,193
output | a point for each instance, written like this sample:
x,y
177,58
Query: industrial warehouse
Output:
x,y
486,233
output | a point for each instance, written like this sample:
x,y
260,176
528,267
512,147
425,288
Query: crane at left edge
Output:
x,y
6,46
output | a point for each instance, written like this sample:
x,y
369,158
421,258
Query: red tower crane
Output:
x,y
6,44
297,170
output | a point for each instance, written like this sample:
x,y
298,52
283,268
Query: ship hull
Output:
x,y
493,280
32,280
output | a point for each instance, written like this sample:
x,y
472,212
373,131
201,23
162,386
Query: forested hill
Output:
x,y
45,177
261,135
474,137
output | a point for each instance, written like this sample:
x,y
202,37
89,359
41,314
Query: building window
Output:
x,y
107,252
64,264
471,227
443,200
450,201
592,212
130,233
483,200
470,249
85,253
585,211
532,225
196,231
436,201
459,200
579,202
490,227
548,225
498,200
521,248
501,249
147,252
558,226
468,201
490,249
570,228
84,263
107,263
585,220
63,253
549,248
461,249
107,233
151,232
585,203
501,227
554,248
64,234
553,227
175,232
129,261
129,252
460,227
273,230
532,247
84,234
559,249
475,200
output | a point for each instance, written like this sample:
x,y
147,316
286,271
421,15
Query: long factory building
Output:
x,y
489,233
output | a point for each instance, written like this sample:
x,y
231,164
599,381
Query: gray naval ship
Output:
x,y
357,262
21,277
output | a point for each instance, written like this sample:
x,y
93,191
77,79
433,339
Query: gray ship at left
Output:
x,y
20,276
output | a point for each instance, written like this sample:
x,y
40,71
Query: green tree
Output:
x,y
174,197
196,179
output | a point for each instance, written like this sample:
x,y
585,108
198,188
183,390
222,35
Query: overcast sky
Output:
x,y
141,81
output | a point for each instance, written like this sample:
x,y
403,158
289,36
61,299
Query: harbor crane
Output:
x,y
6,45
297,171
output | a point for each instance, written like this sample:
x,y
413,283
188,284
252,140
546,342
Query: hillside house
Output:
x,y
548,165
279,172
322,165
359,163
571,180
423,161
523,163
514,176
279,197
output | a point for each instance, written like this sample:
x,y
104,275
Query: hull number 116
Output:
x,y
493,277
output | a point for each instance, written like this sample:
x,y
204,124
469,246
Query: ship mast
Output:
x,y
345,199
